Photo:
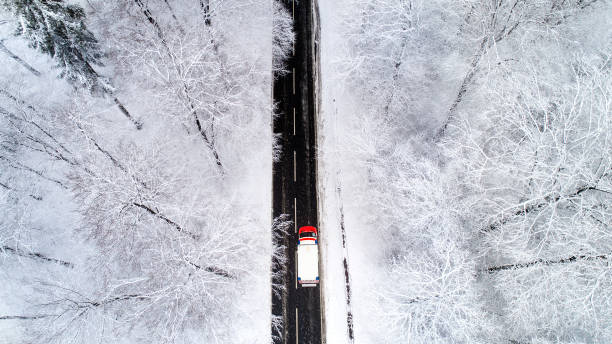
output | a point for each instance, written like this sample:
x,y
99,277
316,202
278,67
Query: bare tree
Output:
x,y
282,36
59,30
494,21
184,91
544,225
500,231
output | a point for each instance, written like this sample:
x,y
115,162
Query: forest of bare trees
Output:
x,y
483,129
471,140
134,170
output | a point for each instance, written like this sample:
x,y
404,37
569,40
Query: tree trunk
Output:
x,y
123,110
207,141
212,269
529,208
545,262
110,92
26,317
205,9
160,216
36,256
161,36
18,59
38,198
396,73
173,15
467,80
19,166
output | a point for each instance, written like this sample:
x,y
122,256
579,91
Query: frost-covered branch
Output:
x,y
542,261
34,255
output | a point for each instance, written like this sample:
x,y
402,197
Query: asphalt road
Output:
x,y
294,176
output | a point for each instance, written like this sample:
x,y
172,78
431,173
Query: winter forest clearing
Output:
x,y
464,149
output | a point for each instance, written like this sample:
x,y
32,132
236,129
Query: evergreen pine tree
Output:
x,y
58,29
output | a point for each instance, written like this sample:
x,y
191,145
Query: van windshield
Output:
x,y
308,235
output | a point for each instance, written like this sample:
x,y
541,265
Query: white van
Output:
x,y
308,257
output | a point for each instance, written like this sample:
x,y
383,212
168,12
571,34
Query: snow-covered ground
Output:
x,y
336,170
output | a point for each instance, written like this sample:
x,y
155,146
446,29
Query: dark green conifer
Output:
x,y
58,29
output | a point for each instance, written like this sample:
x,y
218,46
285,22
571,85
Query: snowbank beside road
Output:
x,y
340,192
